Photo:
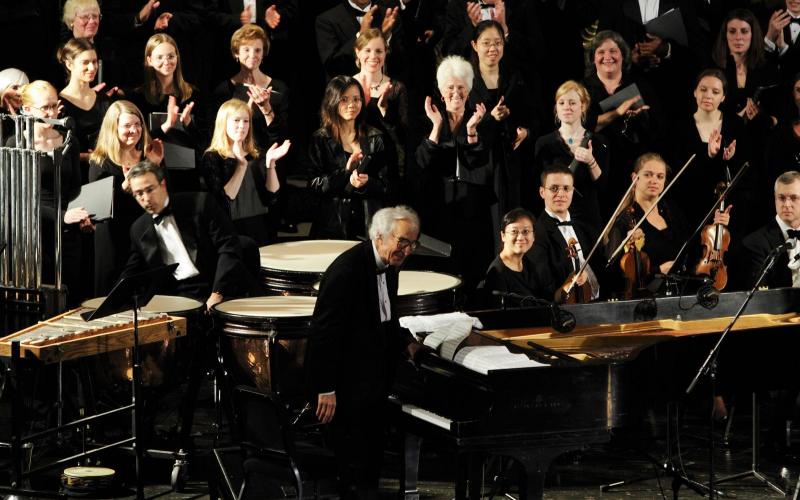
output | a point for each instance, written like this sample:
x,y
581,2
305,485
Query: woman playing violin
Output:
x,y
664,230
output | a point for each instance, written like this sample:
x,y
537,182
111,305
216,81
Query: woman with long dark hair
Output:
x,y
349,168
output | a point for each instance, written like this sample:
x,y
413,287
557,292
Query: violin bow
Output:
x,y
650,210
603,233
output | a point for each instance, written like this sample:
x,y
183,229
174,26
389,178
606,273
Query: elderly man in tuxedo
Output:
x,y
355,342
786,225
189,229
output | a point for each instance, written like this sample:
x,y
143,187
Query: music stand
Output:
x,y
129,294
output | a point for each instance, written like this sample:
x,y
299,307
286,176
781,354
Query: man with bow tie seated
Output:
x,y
355,342
786,226
189,229
562,244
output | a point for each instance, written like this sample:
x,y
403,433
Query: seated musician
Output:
x,y
512,271
189,229
562,244
664,230
757,246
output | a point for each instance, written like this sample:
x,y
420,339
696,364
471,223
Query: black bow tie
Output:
x,y
564,223
165,212
795,20
793,233
382,271
356,12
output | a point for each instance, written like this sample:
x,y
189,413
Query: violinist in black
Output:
x,y
664,230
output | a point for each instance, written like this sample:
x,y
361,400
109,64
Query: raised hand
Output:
x,y
162,22
584,155
186,114
149,7
276,152
779,20
474,12
475,119
173,113
272,17
261,98
352,162
366,19
522,134
500,112
714,143
75,215
626,105
388,21
383,100
729,150
432,112
245,16
155,151
499,14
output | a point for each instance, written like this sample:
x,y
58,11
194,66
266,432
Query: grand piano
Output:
x,y
621,358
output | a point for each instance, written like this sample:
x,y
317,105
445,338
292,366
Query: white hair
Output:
x,y
383,221
454,67
12,76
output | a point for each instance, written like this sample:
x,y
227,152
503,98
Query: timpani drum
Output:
x,y
292,268
263,340
161,361
425,292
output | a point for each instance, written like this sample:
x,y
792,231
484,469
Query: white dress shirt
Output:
x,y
383,290
794,260
794,31
172,248
648,9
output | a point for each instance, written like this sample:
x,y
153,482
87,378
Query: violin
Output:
x,y
635,263
715,239
579,294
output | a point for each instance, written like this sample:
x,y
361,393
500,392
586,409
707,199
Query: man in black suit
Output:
x,y
555,230
783,37
355,341
189,229
338,28
758,245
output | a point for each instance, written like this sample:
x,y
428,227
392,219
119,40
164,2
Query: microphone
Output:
x,y
65,122
786,245
560,320
708,296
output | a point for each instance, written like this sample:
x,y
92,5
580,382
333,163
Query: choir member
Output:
x,y
239,176
571,144
349,173
457,173
123,142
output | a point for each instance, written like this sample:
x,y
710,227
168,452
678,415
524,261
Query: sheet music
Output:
x,y
449,336
484,359
434,322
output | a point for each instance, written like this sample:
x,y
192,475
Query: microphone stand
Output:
x,y
709,368
709,215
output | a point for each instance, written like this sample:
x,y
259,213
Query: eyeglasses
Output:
x,y
784,198
516,232
556,189
403,243
85,18
487,44
141,192
50,108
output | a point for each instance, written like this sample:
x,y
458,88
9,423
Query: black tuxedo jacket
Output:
x,y
756,247
550,248
209,238
336,34
350,351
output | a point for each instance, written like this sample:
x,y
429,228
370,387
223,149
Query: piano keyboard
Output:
x,y
427,416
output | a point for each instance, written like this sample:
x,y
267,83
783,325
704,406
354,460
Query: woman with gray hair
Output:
x,y
457,174
11,79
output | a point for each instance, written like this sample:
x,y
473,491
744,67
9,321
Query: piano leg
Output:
x,y
409,473
469,475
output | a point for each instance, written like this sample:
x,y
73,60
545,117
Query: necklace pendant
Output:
x,y
569,141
